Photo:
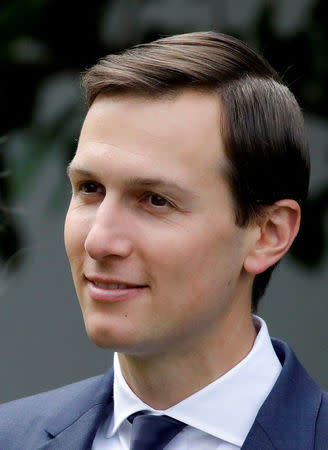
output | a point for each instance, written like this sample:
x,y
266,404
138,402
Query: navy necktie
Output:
x,y
150,432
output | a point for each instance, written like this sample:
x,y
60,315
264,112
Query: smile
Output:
x,y
112,285
110,292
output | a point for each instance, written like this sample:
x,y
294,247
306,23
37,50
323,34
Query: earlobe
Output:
x,y
279,227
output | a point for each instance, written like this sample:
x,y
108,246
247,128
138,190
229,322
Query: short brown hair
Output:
x,y
262,125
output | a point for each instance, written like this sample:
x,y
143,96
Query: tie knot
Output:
x,y
152,432
133,416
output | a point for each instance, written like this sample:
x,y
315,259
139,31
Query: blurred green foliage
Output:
x,y
45,44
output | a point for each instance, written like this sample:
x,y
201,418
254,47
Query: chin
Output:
x,y
109,335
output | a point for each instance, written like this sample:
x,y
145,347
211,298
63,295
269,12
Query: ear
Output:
x,y
278,229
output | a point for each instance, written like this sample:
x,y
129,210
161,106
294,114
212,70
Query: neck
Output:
x,y
166,379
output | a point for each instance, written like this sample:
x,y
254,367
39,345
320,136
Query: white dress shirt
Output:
x,y
219,416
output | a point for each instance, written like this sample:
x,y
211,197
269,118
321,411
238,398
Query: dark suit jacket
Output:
x,y
293,417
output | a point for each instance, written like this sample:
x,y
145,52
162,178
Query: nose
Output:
x,y
109,233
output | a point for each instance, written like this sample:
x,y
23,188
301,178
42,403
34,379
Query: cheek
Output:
x,y
203,248
75,232
201,262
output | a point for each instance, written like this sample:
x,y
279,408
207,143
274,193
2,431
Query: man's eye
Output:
x,y
89,187
157,200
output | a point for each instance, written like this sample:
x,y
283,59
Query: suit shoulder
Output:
x,y
322,424
53,397
31,412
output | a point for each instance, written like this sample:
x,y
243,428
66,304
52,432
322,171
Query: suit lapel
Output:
x,y
257,439
78,435
287,418
75,426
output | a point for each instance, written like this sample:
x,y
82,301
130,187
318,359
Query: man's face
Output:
x,y
156,257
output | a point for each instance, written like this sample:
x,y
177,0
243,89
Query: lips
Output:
x,y
112,290
112,285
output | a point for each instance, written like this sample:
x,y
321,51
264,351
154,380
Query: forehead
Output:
x,y
166,134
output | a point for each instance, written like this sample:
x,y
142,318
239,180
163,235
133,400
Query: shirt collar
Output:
x,y
226,408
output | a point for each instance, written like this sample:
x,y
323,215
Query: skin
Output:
x,y
177,237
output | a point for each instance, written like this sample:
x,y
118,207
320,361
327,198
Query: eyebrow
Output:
x,y
72,169
134,181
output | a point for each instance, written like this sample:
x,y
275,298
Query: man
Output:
x,y
187,185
